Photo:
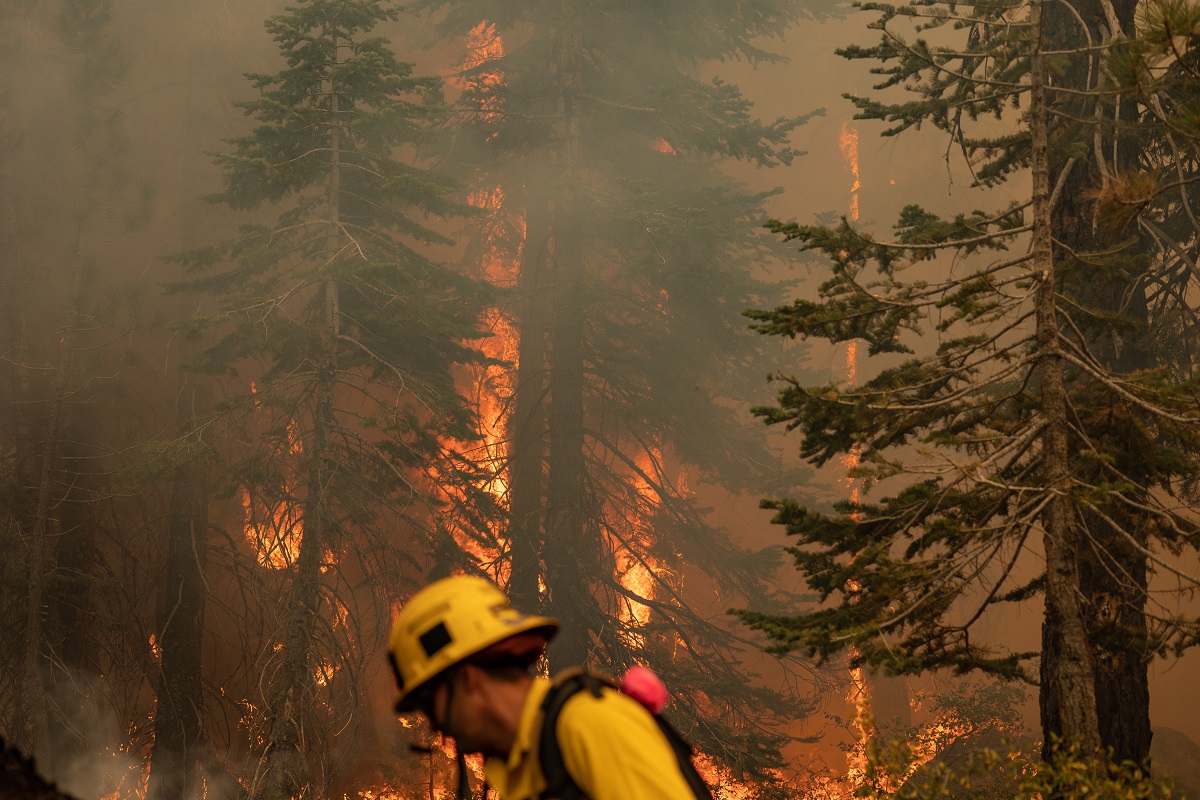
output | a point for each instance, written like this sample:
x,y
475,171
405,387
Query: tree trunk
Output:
x,y
177,720
1069,672
527,437
566,527
1114,605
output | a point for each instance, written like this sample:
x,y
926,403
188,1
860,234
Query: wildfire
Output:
x,y
501,237
484,45
275,527
859,694
849,144
720,779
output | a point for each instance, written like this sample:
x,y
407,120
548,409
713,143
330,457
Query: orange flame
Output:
x,y
275,528
848,140
720,780
859,695
484,45
493,385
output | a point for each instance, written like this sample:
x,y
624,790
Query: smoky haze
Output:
x,y
110,116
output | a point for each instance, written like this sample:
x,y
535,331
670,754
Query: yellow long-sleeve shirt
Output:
x,y
610,745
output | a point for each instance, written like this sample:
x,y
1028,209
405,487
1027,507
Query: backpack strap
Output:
x,y
559,783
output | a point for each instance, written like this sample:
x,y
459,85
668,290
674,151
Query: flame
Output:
x,y
493,386
275,528
664,147
155,649
848,140
484,45
324,673
721,781
859,695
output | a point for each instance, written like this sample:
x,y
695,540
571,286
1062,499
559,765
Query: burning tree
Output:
x,y
1038,436
629,252
350,333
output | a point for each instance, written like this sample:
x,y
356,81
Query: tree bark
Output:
x,y
1114,604
177,715
527,437
566,527
1069,672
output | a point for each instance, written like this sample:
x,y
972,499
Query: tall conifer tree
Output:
x,y
349,333
1054,414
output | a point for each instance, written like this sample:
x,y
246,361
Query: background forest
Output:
x,y
304,306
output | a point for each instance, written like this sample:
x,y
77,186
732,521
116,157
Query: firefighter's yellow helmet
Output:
x,y
454,620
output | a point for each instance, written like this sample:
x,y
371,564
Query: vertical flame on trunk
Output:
x,y
848,140
859,693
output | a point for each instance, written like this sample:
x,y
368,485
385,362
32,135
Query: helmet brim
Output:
x,y
410,701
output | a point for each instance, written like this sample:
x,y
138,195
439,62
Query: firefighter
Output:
x,y
464,657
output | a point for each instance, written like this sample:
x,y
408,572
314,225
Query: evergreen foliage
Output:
x,y
972,327
343,334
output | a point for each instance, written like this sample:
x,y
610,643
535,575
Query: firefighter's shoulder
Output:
x,y
614,749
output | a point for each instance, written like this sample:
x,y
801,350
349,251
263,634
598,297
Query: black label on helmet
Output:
x,y
435,639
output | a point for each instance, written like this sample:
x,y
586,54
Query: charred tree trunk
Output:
x,y
1112,573
527,451
566,525
1069,681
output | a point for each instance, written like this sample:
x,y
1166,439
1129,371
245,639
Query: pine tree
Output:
x,y
632,251
357,332
1030,412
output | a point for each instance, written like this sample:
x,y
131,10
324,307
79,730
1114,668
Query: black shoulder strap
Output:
x,y
559,783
